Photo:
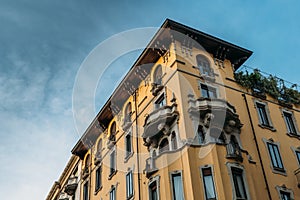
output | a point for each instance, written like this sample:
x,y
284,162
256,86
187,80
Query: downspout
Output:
x,y
137,143
257,147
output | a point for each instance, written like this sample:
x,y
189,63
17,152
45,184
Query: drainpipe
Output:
x,y
257,146
137,143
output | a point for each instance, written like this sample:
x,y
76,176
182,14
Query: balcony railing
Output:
x,y
150,167
157,123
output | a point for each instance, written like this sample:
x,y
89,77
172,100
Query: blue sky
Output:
x,y
43,43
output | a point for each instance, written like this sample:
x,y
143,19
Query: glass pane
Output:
x,y
177,187
278,157
209,187
272,155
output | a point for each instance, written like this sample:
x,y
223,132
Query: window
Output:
x,y
174,141
153,190
298,156
285,195
208,92
208,181
201,135
164,145
98,183
86,191
128,145
99,150
160,102
112,162
262,113
233,149
112,136
204,66
112,193
275,156
177,186
238,181
158,75
129,185
289,120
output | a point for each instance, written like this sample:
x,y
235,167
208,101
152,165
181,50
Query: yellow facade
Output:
x,y
186,130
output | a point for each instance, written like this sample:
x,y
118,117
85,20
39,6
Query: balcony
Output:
x,y
157,124
63,196
297,174
71,185
150,167
214,113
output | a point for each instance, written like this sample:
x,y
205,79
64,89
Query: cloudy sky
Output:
x,y
42,46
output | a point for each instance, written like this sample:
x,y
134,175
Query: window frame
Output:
x,y
265,106
160,101
283,189
208,88
98,178
275,169
156,180
171,174
85,189
202,168
113,151
290,114
130,174
205,70
128,154
296,152
113,193
244,178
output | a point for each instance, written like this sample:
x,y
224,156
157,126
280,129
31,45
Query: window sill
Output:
x,y
271,128
279,171
128,157
112,174
294,135
130,197
98,189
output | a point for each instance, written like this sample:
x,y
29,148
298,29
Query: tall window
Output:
x,y
262,113
98,178
158,75
233,148
238,181
112,162
153,190
208,92
129,185
285,195
209,185
86,191
204,66
112,193
275,156
174,141
177,186
201,135
164,145
288,117
99,149
128,145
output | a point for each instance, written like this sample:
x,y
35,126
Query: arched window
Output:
x,y
204,65
87,164
128,111
174,141
112,136
158,75
200,135
164,145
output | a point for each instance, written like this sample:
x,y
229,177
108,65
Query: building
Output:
x,y
186,123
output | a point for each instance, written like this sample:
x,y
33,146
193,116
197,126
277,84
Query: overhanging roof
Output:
x,y
142,67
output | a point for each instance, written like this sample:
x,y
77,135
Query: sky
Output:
x,y
43,44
